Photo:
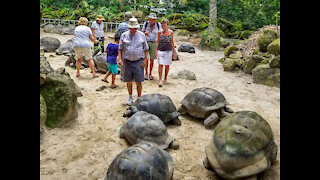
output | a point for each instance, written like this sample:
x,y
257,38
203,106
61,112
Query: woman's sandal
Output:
x,y
151,77
160,84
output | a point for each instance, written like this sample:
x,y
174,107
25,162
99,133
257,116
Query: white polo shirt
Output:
x,y
98,29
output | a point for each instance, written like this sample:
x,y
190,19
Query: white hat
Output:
x,y
133,23
152,16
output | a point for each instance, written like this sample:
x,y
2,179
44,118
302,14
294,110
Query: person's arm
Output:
x,y
93,39
120,57
173,48
157,44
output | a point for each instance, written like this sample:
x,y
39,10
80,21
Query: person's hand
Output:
x,y
120,62
147,34
144,63
174,55
156,56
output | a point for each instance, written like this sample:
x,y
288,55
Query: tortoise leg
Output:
x,y
177,121
174,145
121,134
128,113
206,163
134,109
182,110
229,110
222,113
209,122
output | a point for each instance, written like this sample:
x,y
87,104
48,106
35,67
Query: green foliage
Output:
x,y
255,13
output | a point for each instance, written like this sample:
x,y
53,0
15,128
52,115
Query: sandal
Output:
x,y
151,77
105,80
145,77
113,87
160,84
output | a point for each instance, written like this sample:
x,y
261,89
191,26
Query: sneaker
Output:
x,y
129,101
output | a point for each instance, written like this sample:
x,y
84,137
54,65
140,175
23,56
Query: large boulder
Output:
x,y
251,63
263,74
185,74
267,36
229,50
49,44
43,112
60,93
274,47
275,62
233,62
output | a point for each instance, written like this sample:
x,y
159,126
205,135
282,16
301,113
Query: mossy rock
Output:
x,y
252,62
43,78
263,74
229,50
60,93
210,40
43,112
274,47
266,37
245,34
275,62
229,64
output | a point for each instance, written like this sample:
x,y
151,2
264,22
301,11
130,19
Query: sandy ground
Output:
x,y
85,148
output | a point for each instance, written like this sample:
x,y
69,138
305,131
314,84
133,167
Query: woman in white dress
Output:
x,y
165,50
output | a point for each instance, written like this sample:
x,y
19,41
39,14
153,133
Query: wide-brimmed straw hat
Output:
x,y
153,16
100,18
133,23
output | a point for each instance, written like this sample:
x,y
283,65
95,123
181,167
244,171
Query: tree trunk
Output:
x,y
212,15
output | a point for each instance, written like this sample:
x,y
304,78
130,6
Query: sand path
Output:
x,y
85,148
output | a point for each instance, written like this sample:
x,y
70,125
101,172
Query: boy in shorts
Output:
x,y
112,54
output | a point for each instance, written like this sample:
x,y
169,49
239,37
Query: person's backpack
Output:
x,y
147,23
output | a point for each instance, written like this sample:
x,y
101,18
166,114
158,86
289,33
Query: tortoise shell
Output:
x,y
242,145
159,105
146,127
201,102
141,161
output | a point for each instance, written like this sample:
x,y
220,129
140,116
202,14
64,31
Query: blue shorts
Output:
x,y
133,71
113,68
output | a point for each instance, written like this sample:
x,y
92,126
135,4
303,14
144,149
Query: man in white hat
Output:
x,y
133,52
97,31
151,29
123,27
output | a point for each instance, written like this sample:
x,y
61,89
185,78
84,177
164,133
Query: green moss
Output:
x,y
229,50
274,47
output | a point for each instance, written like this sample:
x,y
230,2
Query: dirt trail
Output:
x,y
85,148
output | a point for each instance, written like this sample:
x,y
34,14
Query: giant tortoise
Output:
x,y
242,146
140,162
157,104
205,103
146,127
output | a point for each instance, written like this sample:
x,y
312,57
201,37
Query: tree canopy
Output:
x,y
253,13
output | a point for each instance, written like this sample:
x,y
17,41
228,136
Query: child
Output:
x,y
112,53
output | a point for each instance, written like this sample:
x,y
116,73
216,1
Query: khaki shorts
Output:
x,y
80,51
152,50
